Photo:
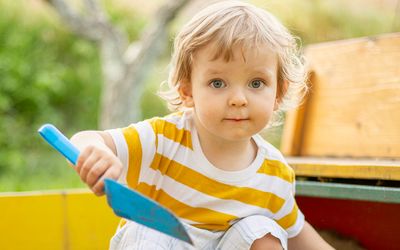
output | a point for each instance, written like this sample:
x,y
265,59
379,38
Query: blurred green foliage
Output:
x,y
328,20
47,74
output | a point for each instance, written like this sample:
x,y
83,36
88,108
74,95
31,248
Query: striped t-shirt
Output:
x,y
163,160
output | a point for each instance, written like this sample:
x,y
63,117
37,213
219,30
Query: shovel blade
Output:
x,y
132,205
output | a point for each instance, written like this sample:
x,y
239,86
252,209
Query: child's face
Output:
x,y
232,100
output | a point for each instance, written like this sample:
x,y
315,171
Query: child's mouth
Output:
x,y
236,119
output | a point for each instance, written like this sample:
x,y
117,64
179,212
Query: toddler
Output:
x,y
234,66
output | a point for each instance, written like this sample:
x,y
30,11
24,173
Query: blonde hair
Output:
x,y
230,23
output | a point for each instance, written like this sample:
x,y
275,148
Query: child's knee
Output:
x,y
255,232
268,241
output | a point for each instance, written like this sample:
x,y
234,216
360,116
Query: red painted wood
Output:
x,y
375,225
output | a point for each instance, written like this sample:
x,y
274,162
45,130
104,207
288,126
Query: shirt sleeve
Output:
x,y
290,217
136,147
128,143
122,151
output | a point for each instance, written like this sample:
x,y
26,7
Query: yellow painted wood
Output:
x,y
55,220
32,221
91,222
353,109
346,168
292,136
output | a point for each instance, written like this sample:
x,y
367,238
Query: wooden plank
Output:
x,y
292,135
91,222
32,221
348,191
353,109
74,219
346,168
356,94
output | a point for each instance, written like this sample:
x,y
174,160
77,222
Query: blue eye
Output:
x,y
217,84
256,84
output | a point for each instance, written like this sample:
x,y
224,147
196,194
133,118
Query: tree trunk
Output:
x,y
125,67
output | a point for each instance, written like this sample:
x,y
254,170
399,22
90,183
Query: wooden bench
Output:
x,y
73,219
344,141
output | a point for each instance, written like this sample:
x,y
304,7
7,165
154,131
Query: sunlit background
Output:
x,y
48,74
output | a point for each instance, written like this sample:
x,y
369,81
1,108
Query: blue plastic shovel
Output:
x,y
125,202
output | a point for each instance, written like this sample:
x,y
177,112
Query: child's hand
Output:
x,y
95,164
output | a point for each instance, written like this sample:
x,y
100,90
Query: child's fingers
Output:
x,y
113,173
79,162
88,164
82,158
98,169
98,189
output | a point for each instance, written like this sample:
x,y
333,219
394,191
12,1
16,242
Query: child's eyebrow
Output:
x,y
261,72
213,72
266,72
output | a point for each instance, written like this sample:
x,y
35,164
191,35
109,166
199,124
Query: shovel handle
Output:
x,y
58,141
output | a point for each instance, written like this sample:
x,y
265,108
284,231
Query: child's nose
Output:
x,y
238,99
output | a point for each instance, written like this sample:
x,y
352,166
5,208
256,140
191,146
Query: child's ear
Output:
x,y
185,92
276,105
280,93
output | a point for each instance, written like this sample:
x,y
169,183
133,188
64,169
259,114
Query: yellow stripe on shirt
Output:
x,y
135,155
170,131
206,185
278,169
213,220
212,227
290,219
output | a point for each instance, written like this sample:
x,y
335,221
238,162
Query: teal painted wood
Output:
x,y
348,191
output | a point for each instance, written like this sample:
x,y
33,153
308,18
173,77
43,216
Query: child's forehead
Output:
x,y
215,51
243,59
